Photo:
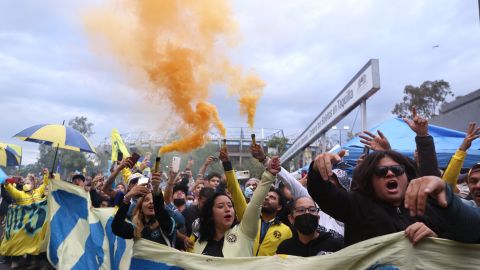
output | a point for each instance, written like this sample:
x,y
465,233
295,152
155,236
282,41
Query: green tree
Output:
x,y
279,143
427,98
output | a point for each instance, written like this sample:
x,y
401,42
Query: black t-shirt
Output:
x,y
154,235
325,243
191,213
214,248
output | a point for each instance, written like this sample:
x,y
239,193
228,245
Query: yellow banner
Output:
x,y
392,252
25,229
118,145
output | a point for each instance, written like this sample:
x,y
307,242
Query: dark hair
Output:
x,y
180,187
363,174
294,202
207,225
206,192
281,199
282,215
78,176
213,174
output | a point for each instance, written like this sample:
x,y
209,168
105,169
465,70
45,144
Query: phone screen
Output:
x,y
175,164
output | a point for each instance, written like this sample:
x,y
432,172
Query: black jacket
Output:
x,y
125,230
365,217
325,243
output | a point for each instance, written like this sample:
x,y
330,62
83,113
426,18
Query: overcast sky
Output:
x,y
306,51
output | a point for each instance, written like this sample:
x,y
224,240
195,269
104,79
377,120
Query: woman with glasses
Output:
x,y
308,241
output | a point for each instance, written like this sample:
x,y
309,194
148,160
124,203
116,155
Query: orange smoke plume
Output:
x,y
179,47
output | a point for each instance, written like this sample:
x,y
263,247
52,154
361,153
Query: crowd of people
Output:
x,y
326,210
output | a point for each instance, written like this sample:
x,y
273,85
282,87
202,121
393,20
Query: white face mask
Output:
x,y
189,202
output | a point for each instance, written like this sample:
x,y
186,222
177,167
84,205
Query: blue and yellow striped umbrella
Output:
x,y
57,136
10,154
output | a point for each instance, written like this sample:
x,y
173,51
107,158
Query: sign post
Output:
x,y
363,85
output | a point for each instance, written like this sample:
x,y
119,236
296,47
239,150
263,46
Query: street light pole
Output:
x,y
340,131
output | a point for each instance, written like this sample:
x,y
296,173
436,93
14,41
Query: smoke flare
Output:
x,y
179,47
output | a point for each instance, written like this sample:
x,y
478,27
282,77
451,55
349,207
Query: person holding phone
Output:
x,y
150,219
220,233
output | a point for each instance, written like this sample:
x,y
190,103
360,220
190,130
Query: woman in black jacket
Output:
x,y
375,205
150,219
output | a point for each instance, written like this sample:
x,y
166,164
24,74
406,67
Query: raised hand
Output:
x,y
257,152
156,180
125,163
418,191
274,166
418,124
324,163
137,190
473,132
375,142
223,154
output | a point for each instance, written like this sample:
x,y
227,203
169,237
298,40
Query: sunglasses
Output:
x,y
382,171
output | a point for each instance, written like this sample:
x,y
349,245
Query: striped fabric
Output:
x,y
57,135
10,154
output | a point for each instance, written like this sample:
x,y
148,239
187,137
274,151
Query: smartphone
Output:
x,y
119,156
135,158
175,164
143,181
366,150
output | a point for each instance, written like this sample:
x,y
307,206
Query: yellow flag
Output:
x,y
118,145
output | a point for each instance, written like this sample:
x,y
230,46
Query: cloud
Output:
x,y
306,51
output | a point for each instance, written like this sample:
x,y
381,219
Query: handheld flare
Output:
x,y
156,167
253,139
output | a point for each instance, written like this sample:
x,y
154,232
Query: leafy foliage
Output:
x,y
427,98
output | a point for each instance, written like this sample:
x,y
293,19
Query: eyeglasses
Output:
x,y
382,171
303,210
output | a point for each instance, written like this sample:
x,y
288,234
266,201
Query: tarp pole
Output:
x,y
363,109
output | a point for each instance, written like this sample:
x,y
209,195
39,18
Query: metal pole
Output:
x,y
363,108
340,142
56,152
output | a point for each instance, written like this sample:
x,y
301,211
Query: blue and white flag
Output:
x,y
80,235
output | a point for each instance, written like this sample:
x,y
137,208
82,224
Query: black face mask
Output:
x,y
178,202
306,223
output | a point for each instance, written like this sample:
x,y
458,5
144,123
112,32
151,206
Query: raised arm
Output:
x,y
107,187
172,179
334,201
205,166
119,226
232,184
455,166
161,214
427,157
41,188
249,224
295,186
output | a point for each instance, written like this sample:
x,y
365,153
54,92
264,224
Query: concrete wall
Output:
x,y
458,113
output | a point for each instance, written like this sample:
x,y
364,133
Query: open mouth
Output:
x,y
392,185
476,193
227,216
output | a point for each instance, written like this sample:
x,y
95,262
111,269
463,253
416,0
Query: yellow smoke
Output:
x,y
179,47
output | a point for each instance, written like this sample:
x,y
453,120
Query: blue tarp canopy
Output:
x,y
402,139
